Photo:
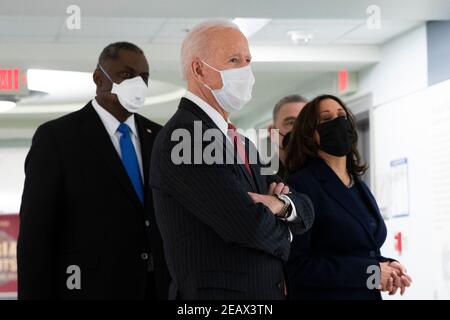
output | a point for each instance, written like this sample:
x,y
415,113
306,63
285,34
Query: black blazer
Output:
x,y
330,261
79,208
218,244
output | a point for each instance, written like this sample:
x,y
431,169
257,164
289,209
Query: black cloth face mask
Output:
x,y
286,139
336,136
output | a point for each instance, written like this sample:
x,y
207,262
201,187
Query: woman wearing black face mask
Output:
x,y
336,257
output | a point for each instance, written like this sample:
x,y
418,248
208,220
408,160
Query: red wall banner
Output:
x,y
9,230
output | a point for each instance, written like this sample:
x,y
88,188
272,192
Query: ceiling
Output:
x,y
47,29
34,35
276,9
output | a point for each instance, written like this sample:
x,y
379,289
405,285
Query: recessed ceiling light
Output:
x,y
300,37
249,26
6,105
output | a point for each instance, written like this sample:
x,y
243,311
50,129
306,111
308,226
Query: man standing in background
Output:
x,y
87,228
285,112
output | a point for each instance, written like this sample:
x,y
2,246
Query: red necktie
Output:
x,y
237,141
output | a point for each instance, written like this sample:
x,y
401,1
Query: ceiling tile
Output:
x,y
123,28
29,26
388,30
323,31
174,30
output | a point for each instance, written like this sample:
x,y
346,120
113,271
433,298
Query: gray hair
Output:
x,y
285,100
195,43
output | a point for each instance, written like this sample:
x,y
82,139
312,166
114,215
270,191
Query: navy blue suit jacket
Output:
x,y
330,261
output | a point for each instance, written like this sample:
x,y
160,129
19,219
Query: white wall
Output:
x,y
416,127
11,178
402,68
409,120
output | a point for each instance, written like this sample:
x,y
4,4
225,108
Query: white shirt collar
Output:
x,y
110,122
215,116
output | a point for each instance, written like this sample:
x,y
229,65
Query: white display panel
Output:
x,y
12,177
416,128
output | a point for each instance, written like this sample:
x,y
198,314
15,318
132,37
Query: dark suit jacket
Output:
x,y
79,208
330,261
218,244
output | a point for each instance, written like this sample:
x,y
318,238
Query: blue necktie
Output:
x,y
130,160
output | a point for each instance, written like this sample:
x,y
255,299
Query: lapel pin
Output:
x,y
149,131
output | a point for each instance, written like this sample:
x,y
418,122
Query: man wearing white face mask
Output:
x,y
87,226
226,228
236,90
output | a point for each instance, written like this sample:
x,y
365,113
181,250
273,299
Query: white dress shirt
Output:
x,y
215,116
112,124
220,122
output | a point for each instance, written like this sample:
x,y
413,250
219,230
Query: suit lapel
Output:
x,y
146,141
96,135
242,167
335,189
228,146
255,167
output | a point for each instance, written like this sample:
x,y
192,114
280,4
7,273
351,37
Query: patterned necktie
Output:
x,y
237,141
130,160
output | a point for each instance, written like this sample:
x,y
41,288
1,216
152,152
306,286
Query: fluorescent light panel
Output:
x,y
59,82
6,105
249,26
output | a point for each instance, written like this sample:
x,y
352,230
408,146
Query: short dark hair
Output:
x,y
285,100
111,51
302,145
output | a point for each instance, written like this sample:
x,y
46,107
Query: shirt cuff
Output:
x,y
293,215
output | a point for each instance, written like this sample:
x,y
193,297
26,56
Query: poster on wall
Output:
x,y
9,229
400,188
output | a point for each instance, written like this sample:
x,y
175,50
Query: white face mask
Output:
x,y
236,90
130,92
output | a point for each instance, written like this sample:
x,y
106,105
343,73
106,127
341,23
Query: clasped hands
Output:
x,y
394,277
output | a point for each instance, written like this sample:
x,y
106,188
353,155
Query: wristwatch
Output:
x,y
285,212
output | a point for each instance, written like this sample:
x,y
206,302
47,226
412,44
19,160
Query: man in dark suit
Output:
x,y
225,232
87,226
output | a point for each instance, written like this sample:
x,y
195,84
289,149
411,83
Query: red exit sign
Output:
x,y
9,79
342,80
